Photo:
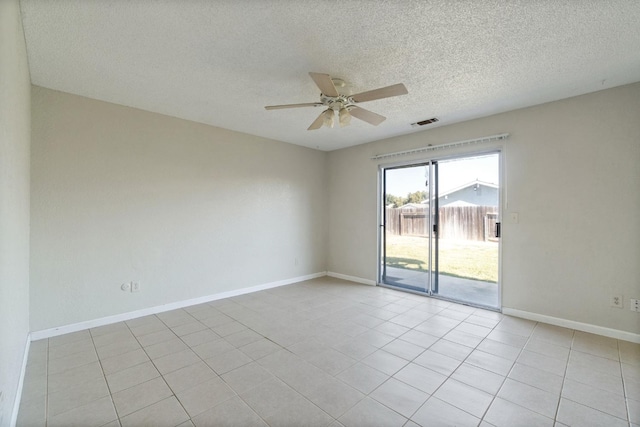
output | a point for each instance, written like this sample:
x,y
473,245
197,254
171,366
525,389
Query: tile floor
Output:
x,y
331,353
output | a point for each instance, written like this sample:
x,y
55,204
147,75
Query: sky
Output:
x,y
453,173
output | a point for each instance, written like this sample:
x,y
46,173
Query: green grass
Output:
x,y
461,258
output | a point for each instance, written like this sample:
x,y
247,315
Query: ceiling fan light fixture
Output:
x,y
328,118
344,118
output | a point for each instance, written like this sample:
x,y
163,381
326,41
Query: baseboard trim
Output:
x,y
579,326
66,329
23,370
351,278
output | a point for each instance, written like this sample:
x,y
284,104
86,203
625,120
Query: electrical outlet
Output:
x,y
126,287
135,286
634,304
616,301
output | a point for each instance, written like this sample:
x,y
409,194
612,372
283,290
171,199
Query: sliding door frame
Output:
x,y
431,162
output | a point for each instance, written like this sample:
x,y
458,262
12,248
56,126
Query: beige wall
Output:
x,y
572,172
15,119
189,210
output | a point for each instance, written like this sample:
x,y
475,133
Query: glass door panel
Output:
x,y
439,228
405,260
466,210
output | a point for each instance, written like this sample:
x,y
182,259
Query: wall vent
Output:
x,y
424,122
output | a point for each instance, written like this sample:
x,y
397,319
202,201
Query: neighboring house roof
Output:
x,y
469,184
412,206
460,204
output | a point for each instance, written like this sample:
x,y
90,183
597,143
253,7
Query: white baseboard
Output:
x,y
579,326
351,278
23,370
66,329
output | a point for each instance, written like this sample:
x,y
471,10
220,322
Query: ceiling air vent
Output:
x,y
424,122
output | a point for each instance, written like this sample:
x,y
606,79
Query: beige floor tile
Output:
x,y
575,414
611,403
332,361
229,328
141,396
117,349
175,361
595,363
634,411
437,362
499,349
106,329
370,413
204,396
120,336
200,337
269,397
225,362
148,328
188,328
300,412
78,395
492,363
464,397
418,338
448,348
362,377
32,413
233,412
74,377
404,349
123,361
69,349
130,377
355,350
504,337
435,412
548,349
385,362
542,362
246,377
166,413
67,339
165,348
421,378
400,397
535,377
189,376
212,348
553,334
479,378
503,413
334,397
259,349
243,338
156,337
532,398
597,379
96,413
72,361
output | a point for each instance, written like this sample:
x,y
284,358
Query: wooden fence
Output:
x,y
457,222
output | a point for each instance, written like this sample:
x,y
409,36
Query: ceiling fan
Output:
x,y
342,103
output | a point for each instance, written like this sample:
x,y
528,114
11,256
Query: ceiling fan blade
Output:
x,y
317,123
278,107
367,116
324,83
383,92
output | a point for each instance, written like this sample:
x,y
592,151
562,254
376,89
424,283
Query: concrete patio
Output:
x,y
476,292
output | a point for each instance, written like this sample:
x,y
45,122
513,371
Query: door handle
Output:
x,y
498,229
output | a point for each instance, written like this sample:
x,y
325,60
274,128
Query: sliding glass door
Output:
x,y
440,228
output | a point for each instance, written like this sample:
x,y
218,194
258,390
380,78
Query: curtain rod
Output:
x,y
442,146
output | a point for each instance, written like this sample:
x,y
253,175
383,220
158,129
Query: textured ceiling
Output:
x,y
221,62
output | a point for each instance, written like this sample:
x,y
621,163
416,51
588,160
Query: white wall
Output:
x,y
189,210
15,118
572,172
